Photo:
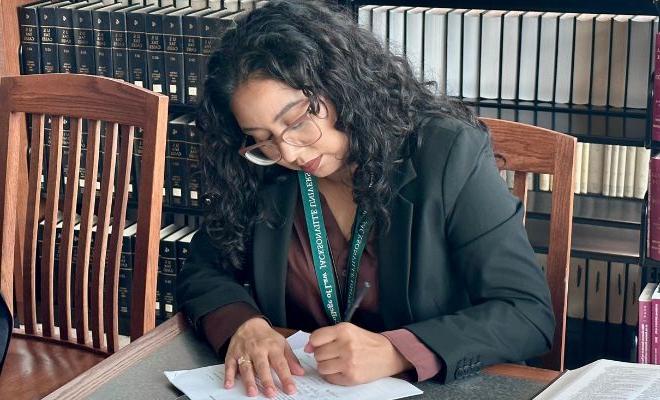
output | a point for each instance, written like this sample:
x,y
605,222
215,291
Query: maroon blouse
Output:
x,y
303,301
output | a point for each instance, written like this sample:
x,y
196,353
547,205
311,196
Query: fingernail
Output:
x,y
228,384
270,392
291,388
252,391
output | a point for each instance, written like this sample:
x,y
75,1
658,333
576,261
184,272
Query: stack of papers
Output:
x,y
606,380
207,383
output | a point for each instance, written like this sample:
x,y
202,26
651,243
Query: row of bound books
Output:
x,y
174,249
162,45
601,60
183,184
608,170
602,309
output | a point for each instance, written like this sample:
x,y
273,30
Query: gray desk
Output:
x,y
140,375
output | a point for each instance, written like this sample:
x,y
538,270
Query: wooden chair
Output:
x,y
530,149
42,357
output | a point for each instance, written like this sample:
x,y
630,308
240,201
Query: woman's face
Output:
x,y
264,108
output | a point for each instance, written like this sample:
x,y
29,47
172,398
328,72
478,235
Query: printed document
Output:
x,y
207,383
606,380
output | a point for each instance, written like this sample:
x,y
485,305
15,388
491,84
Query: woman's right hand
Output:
x,y
260,348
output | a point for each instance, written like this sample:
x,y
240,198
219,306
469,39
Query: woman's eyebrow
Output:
x,y
280,114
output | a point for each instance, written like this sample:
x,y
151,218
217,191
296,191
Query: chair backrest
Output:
x,y
530,149
104,106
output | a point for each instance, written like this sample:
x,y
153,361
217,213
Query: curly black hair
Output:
x,y
320,50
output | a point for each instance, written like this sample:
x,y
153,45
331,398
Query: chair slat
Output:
x,y
102,228
520,188
50,226
85,235
66,243
115,245
32,227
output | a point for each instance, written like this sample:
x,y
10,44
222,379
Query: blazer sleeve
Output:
x,y
510,315
204,286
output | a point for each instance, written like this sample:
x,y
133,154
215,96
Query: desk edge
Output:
x,y
86,383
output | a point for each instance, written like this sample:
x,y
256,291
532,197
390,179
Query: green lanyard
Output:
x,y
318,240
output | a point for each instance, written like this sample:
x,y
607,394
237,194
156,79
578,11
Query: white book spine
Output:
x,y
454,48
629,180
639,61
582,63
544,182
565,58
510,44
415,40
607,169
379,23
578,166
397,31
547,56
529,56
471,42
601,62
491,42
435,48
614,173
584,176
619,64
364,16
642,164
621,171
595,180
510,178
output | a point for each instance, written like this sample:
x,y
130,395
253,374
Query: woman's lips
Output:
x,y
312,165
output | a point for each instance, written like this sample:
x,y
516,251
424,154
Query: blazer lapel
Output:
x,y
394,254
271,246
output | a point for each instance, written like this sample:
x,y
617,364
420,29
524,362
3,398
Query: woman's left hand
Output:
x,y
349,355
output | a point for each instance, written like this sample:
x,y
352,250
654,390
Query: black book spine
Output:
x,y
194,181
191,58
167,278
83,37
177,153
173,41
137,49
125,282
137,163
210,32
66,141
47,22
65,44
102,43
155,53
30,47
119,51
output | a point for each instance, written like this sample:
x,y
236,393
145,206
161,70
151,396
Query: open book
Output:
x,y
207,383
606,380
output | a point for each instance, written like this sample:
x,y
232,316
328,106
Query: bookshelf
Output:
x,y
594,215
609,230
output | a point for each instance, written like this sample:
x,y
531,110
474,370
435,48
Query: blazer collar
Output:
x,y
271,247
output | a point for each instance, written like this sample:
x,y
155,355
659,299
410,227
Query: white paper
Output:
x,y
207,383
606,380
298,340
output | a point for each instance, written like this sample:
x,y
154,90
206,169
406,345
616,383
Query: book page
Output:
x,y
606,380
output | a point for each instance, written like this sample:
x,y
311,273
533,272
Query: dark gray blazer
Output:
x,y
456,268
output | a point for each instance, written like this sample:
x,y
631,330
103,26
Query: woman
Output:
x,y
305,115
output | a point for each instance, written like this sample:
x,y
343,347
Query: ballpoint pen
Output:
x,y
356,303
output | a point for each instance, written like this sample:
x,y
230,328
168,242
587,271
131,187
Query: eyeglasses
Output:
x,y
304,131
